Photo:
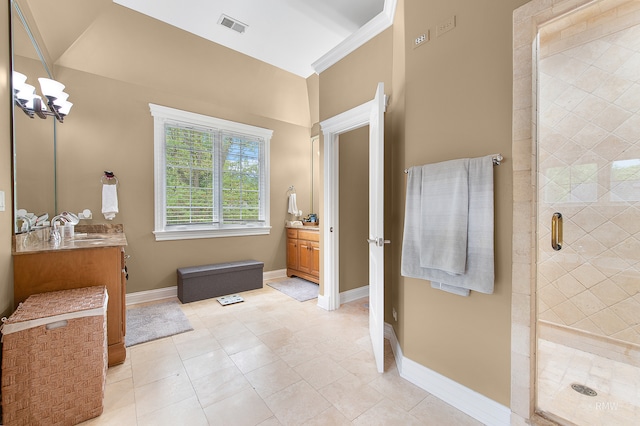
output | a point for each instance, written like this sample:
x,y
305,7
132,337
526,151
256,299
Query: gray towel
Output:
x,y
479,270
444,213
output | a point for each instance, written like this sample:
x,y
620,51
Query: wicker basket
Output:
x,y
54,358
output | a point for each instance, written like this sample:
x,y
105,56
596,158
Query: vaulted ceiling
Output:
x,y
289,34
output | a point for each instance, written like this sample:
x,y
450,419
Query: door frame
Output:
x,y
526,20
332,128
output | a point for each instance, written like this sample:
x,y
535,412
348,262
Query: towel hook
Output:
x,y
291,190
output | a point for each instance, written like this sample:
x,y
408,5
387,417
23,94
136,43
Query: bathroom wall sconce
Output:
x,y
24,96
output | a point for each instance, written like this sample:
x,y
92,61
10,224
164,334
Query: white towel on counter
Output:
x,y
109,201
293,205
479,271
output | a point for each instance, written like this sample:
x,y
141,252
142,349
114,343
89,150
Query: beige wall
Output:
x,y
123,62
349,83
353,162
6,217
450,98
458,104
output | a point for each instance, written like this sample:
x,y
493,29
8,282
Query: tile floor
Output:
x,y
270,360
616,383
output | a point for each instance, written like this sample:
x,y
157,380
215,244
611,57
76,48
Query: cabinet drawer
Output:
x,y
292,233
308,235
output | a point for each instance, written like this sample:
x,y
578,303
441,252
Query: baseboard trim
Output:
x,y
323,302
355,294
453,393
171,292
151,295
272,275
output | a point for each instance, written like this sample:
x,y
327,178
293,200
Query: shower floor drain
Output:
x,y
585,390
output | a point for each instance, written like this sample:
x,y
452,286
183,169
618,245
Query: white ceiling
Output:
x,y
289,34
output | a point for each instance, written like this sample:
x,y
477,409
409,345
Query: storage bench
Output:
x,y
208,281
54,358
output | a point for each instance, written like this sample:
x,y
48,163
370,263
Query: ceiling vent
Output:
x,y
233,24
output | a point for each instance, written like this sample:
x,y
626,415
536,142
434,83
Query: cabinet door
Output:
x,y
314,254
292,253
305,258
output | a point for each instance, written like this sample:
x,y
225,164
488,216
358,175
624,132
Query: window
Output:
x,y
211,176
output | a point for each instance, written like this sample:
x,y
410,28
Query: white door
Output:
x,y
376,226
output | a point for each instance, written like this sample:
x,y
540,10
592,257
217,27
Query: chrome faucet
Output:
x,y
26,223
55,232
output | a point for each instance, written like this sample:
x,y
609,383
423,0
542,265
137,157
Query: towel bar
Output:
x,y
497,158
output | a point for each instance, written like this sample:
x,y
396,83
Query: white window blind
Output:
x,y
211,176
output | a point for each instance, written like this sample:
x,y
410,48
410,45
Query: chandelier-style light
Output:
x,y
24,96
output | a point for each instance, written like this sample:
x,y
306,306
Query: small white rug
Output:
x,y
299,289
156,321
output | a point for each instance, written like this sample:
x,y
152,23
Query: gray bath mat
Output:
x,y
299,289
156,321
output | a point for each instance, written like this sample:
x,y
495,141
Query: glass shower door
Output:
x,y
588,269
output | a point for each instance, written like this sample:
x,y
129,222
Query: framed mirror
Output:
x,y
34,139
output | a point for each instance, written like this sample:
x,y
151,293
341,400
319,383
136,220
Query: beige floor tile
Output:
x,y
297,403
224,326
187,412
330,416
272,378
435,412
243,408
277,338
161,393
350,396
147,352
404,394
119,372
261,326
319,372
385,413
255,357
156,369
220,385
195,334
118,395
269,361
239,342
295,354
337,348
362,365
125,416
197,346
207,364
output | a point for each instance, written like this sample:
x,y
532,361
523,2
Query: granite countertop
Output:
x,y
84,238
308,228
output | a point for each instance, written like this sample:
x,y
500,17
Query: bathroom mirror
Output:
x,y
33,138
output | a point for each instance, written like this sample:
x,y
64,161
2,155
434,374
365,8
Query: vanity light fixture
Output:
x,y
24,96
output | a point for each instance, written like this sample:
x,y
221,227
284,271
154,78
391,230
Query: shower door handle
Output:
x,y
556,231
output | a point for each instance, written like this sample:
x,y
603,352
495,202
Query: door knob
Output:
x,y
378,241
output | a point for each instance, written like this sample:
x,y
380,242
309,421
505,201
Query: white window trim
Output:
x,y
161,114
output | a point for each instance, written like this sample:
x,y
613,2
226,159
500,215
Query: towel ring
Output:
x,y
108,178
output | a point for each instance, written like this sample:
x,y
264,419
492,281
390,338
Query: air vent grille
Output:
x,y
233,24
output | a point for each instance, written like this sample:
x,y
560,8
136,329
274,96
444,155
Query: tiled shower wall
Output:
x,y
589,163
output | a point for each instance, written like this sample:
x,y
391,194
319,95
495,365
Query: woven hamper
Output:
x,y
54,358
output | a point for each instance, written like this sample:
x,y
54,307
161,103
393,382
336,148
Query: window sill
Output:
x,y
191,234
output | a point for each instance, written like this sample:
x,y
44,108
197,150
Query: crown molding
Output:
x,y
378,24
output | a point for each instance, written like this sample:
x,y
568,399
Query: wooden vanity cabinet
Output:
x,y
45,271
303,254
